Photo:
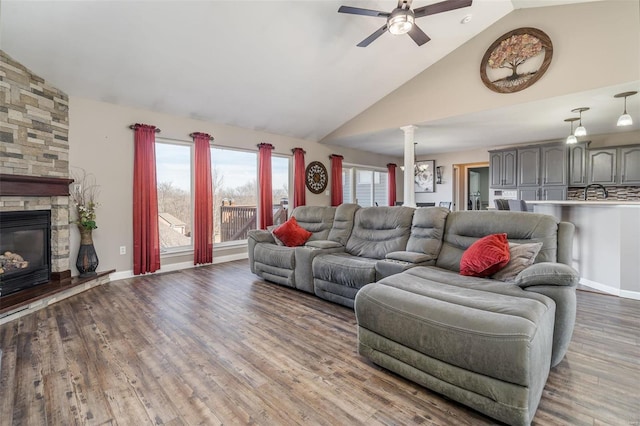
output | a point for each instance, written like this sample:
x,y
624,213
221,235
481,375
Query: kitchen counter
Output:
x,y
586,203
606,246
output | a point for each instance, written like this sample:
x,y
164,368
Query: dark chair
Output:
x,y
518,205
425,204
501,204
446,204
399,203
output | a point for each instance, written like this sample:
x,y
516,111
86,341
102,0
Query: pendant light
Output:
x,y
580,130
571,139
625,119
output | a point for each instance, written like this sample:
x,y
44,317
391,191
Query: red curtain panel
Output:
x,y
146,239
299,192
391,167
203,208
336,179
265,212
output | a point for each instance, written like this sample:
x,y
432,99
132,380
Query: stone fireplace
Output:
x,y
34,154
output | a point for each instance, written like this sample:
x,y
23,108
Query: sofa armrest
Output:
x,y
548,273
261,236
409,256
323,244
303,270
387,267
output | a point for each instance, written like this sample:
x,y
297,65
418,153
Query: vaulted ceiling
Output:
x,y
289,68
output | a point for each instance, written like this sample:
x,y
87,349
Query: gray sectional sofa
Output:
x,y
485,343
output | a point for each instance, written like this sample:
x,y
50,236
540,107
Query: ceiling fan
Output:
x,y
401,19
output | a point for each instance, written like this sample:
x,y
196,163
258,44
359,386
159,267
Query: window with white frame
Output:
x,y
365,186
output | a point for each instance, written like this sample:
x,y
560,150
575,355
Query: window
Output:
x,y
173,172
235,192
280,187
364,186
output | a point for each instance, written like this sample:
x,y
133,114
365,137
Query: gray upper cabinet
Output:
x,y
603,166
554,165
528,167
630,165
578,164
502,166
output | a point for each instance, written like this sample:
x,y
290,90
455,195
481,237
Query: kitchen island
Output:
x,y
606,248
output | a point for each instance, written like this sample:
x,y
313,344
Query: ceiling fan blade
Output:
x,y
367,41
418,35
359,11
443,6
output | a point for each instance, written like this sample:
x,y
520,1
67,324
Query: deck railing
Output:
x,y
237,221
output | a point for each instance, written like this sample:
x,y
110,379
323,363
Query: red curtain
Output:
x,y
203,208
146,239
336,179
391,167
265,213
299,193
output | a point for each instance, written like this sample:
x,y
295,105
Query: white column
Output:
x,y
409,161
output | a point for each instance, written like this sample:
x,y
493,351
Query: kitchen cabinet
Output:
x,y
554,165
502,166
629,165
578,164
603,166
528,167
542,172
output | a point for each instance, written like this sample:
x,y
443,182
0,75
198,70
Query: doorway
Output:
x,y
471,186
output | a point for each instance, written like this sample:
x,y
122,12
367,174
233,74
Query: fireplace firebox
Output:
x,y
25,250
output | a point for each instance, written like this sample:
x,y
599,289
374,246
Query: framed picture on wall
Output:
x,y
423,176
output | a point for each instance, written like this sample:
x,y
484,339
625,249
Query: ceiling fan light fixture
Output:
x,y
625,119
400,22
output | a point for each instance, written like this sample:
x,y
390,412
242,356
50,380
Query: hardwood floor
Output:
x,y
217,345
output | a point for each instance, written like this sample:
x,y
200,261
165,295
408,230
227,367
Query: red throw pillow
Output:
x,y
292,234
486,256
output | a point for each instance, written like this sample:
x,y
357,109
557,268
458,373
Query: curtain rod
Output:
x,y
191,135
133,127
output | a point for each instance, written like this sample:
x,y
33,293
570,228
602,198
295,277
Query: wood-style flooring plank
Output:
x,y
216,345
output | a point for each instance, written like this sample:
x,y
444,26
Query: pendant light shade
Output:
x,y
625,119
571,139
580,130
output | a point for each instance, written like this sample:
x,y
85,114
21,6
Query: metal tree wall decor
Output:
x,y
516,60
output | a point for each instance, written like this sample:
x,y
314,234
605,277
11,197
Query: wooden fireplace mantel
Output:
x,y
33,186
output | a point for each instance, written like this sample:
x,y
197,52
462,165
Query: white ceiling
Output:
x,y
284,67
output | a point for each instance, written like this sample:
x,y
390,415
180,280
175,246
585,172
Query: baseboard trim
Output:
x,y
610,290
116,276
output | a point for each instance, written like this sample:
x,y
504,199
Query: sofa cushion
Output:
x,y
427,228
291,234
464,228
520,257
486,256
344,269
380,230
343,223
272,228
315,219
277,256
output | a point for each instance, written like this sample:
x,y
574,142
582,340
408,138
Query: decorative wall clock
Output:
x,y
316,177
516,60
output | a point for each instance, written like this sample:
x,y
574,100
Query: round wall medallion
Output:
x,y
516,60
316,177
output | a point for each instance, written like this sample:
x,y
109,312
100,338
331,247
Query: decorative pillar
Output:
x,y
409,163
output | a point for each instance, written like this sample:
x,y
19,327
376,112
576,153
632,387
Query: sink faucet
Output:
x,y
597,185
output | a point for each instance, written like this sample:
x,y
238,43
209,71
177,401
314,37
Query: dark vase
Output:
x,y
87,261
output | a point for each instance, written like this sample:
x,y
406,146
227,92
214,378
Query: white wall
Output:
x,y
101,142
